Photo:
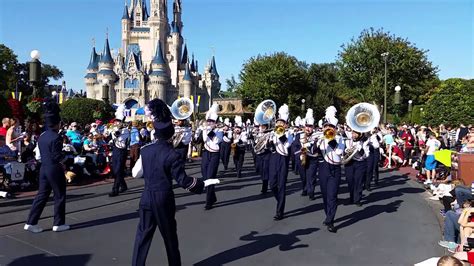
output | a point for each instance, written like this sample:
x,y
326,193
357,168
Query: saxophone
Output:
x,y
303,150
233,146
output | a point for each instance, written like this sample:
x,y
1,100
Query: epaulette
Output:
x,y
146,145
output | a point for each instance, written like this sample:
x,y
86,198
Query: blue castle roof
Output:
x,y
213,67
125,13
106,55
187,76
93,62
158,59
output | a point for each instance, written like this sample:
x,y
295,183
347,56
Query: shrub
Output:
x,y
84,111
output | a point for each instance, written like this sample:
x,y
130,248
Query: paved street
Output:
x,y
395,226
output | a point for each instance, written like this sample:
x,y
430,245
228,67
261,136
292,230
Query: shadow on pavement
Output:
x,y
366,213
29,201
258,245
43,260
107,220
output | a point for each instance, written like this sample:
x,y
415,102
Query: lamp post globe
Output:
x,y
35,54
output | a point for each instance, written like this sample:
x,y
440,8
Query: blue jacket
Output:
x,y
50,145
134,136
161,163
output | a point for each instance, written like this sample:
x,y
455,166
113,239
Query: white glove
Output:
x,y
359,147
209,182
307,145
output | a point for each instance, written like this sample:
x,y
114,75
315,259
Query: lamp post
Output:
x,y
396,101
385,57
35,72
105,90
302,105
410,109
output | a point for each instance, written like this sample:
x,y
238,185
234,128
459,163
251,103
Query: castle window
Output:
x,y
131,84
138,23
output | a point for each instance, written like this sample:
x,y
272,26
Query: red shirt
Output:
x,y
3,131
408,138
398,152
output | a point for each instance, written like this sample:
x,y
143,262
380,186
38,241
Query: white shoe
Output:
x,y
427,182
60,228
33,228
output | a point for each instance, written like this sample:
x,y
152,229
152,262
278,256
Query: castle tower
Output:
x,y
175,54
187,83
91,76
126,26
159,77
177,15
106,66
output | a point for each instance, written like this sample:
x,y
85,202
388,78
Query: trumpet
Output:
x,y
329,134
279,131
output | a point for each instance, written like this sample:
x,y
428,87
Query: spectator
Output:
x,y
5,126
449,261
13,136
408,141
432,145
134,144
75,136
461,133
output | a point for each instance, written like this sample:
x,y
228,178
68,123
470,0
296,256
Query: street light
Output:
x,y
385,57
302,105
410,102
397,94
35,71
105,90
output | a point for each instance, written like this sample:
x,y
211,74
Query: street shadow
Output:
x,y
366,213
305,210
29,201
106,220
258,245
384,195
43,260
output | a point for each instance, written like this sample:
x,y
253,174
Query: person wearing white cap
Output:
x,y
306,154
295,162
226,142
212,137
279,160
239,142
332,148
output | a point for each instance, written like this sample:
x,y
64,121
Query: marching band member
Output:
x,y
210,155
182,137
332,148
280,142
262,154
374,158
226,143
294,157
306,153
355,169
239,143
119,145
158,164
51,176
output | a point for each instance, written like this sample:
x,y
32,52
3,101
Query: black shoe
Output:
x,y
304,193
207,207
113,194
278,217
263,192
358,204
225,168
312,197
331,228
122,190
369,189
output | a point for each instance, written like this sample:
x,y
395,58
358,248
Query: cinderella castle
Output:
x,y
153,61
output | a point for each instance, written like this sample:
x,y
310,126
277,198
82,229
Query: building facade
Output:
x,y
152,62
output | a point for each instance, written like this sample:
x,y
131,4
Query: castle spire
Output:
x,y
125,12
213,66
158,59
93,61
184,58
187,76
106,55
193,67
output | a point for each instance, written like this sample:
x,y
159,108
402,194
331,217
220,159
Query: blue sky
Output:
x,y
311,30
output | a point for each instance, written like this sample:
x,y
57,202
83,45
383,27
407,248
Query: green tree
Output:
x,y
326,90
83,110
451,103
278,76
231,90
362,68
